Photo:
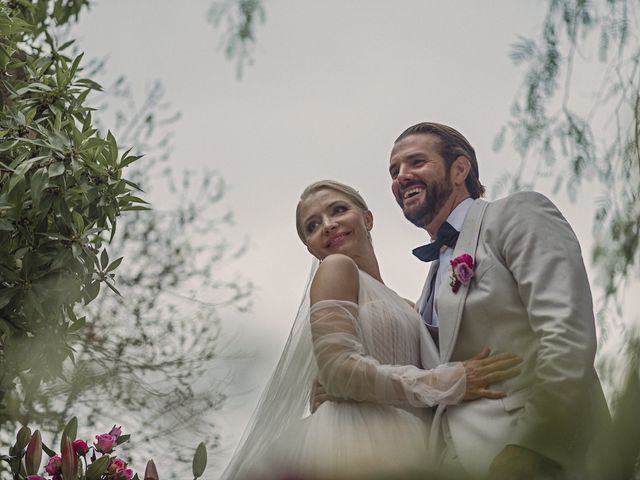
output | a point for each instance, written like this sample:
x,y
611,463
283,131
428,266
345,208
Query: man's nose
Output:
x,y
404,174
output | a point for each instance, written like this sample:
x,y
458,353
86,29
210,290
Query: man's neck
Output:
x,y
445,211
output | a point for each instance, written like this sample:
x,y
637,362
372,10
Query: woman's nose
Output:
x,y
329,224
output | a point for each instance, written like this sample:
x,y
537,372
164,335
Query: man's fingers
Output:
x,y
499,365
483,354
499,357
495,377
494,394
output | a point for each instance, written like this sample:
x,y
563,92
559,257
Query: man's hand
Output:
x,y
519,463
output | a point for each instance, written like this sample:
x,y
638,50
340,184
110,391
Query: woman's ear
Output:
x,y
368,220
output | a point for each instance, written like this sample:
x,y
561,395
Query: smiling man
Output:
x,y
528,294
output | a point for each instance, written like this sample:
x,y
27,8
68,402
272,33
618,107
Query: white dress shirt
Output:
x,y
455,219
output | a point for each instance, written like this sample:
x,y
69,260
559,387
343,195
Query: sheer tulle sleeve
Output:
x,y
346,371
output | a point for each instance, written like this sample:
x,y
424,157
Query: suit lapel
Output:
x,y
426,290
428,349
451,305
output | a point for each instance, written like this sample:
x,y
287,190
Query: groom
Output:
x,y
528,294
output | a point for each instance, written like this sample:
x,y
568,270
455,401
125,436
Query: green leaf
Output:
x,y
75,64
48,451
6,225
56,169
199,460
78,222
113,288
39,181
104,259
77,325
85,82
70,431
115,264
122,439
97,468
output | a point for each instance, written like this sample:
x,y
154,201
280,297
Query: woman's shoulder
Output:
x,y
337,278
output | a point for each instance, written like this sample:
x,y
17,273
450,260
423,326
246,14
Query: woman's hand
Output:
x,y
484,370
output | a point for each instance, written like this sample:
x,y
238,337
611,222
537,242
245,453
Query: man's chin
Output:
x,y
419,218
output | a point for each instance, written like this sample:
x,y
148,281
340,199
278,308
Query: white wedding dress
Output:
x,y
369,355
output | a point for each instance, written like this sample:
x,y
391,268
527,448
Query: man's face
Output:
x,y
420,180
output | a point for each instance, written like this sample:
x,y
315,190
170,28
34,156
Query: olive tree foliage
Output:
x,y
146,350
591,141
583,140
61,192
239,38
153,348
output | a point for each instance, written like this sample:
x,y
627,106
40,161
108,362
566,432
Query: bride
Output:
x,y
361,341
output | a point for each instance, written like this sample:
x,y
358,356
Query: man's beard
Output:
x,y
436,195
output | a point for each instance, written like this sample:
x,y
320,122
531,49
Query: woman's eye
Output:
x,y
340,209
311,227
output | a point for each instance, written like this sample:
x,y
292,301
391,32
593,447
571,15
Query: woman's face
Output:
x,y
332,223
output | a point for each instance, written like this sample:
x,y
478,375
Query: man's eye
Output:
x,y
418,162
394,174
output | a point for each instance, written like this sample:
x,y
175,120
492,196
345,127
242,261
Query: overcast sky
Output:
x,y
333,83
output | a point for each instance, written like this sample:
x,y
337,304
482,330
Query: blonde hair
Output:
x,y
350,192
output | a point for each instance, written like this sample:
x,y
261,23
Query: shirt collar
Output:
x,y
456,218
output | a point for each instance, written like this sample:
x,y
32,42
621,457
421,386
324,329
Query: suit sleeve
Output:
x,y
542,253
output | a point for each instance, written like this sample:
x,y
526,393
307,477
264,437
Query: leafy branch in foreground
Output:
x,y
558,134
61,190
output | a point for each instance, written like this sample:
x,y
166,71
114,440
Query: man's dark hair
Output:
x,y
452,145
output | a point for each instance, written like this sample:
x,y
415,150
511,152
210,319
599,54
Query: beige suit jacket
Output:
x,y
530,295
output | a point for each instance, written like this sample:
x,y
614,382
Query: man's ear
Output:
x,y
368,220
460,169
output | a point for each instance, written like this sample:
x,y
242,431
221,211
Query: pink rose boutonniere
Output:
x,y
462,272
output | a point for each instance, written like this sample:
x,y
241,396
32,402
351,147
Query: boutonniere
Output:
x,y
462,271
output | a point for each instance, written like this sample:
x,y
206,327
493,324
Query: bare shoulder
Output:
x,y
336,279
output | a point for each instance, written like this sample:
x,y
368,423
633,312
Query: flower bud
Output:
x,y
54,467
22,438
127,474
116,465
80,447
69,461
150,473
33,456
116,432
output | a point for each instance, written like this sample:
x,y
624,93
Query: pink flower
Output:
x,y
116,465
80,447
54,466
462,271
116,431
105,443
127,474
35,477
464,258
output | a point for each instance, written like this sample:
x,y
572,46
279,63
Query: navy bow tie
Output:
x,y
447,235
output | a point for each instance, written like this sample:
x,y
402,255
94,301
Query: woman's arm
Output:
x,y
346,371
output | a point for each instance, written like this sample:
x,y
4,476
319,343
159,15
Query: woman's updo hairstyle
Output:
x,y
350,192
